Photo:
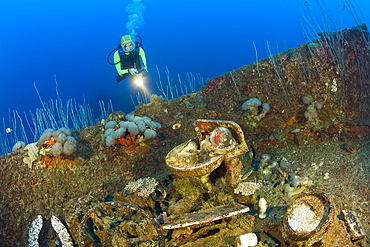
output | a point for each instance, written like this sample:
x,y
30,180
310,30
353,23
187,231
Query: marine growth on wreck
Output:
x,y
262,159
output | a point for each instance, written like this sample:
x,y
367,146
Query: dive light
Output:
x,y
138,79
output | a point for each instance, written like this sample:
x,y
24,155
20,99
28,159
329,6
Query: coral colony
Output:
x,y
51,143
129,132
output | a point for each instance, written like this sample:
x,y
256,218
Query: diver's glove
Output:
x,y
133,71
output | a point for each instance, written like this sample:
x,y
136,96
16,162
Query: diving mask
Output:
x,y
128,46
127,43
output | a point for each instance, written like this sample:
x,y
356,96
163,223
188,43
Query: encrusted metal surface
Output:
x,y
308,218
201,157
204,216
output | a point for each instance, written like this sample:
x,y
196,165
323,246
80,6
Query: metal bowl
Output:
x,y
187,166
308,218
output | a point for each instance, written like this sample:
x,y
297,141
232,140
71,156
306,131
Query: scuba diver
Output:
x,y
129,58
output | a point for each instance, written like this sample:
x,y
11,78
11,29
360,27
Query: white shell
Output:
x,y
62,232
262,205
248,240
34,231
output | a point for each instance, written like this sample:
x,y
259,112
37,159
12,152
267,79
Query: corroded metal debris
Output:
x,y
204,216
216,141
308,218
354,226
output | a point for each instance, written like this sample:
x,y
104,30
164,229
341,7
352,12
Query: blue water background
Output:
x,y
71,39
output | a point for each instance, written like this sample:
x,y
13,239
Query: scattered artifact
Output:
x,y
353,225
311,220
308,218
131,224
217,142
